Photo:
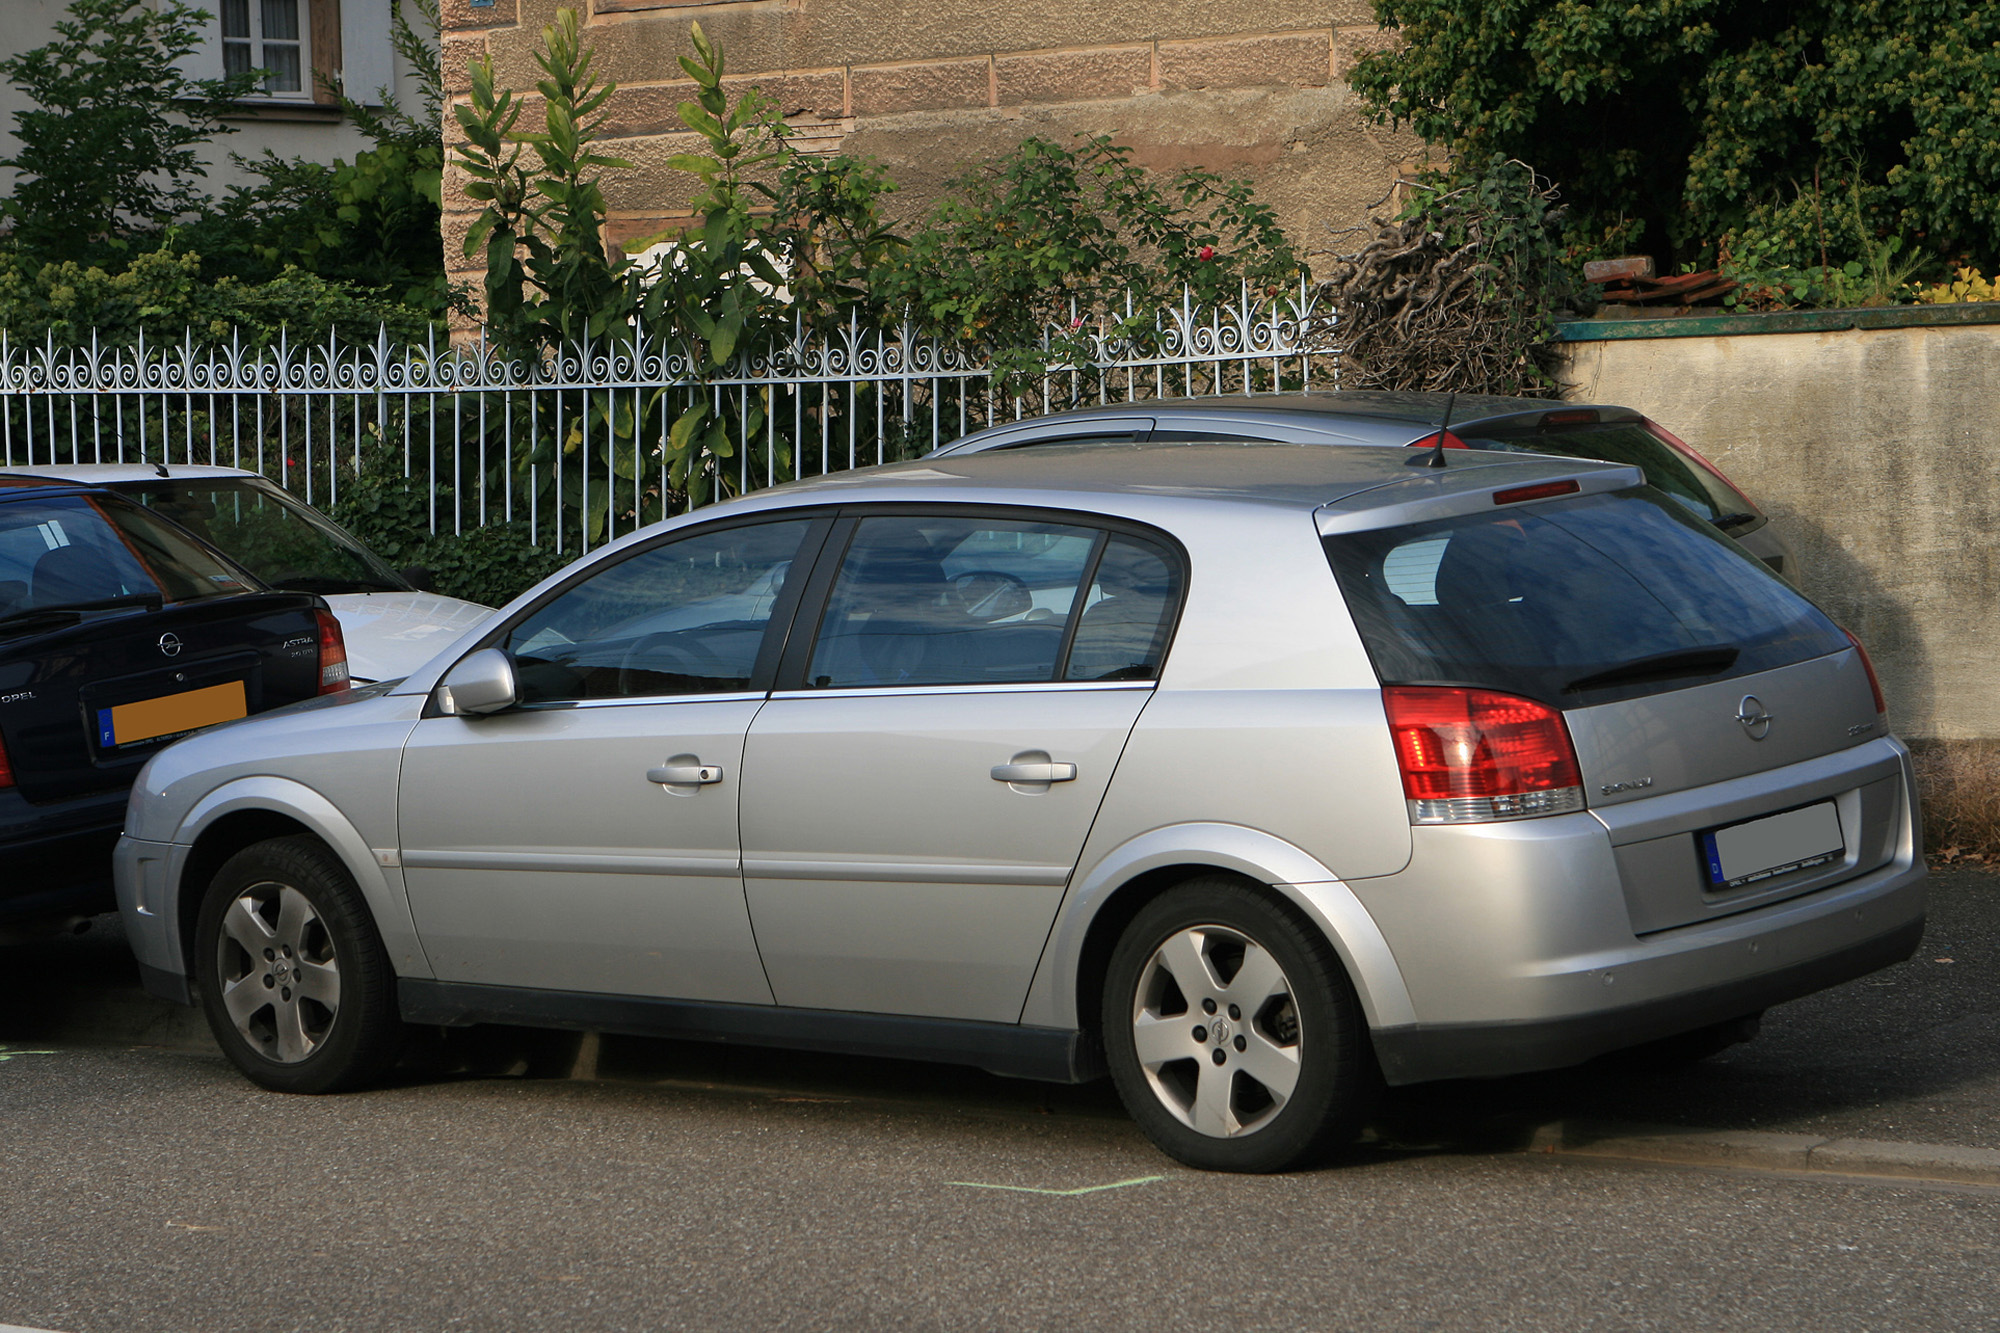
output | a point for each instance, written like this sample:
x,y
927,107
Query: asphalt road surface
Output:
x,y
153,1189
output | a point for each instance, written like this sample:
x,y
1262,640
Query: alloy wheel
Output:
x,y
1216,1031
278,973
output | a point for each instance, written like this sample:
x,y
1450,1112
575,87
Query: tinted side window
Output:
x,y
1122,633
943,600
1096,437
683,617
931,600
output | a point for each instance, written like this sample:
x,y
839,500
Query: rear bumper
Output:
x,y
58,856
1520,950
1423,1052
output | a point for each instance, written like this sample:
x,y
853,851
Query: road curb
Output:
x,y
1763,1151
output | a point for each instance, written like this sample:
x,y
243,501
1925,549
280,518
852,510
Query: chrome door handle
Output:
x,y
684,775
1034,772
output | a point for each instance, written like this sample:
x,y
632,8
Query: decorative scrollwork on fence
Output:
x,y
580,434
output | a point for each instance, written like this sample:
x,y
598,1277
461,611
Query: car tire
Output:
x,y
294,979
1276,1073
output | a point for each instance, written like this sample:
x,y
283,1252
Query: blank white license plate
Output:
x,y
1776,845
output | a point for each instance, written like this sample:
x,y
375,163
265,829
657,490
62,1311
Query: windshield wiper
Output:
x,y
1728,521
1659,666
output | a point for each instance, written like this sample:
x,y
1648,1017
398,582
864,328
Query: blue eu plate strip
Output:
x,y
106,736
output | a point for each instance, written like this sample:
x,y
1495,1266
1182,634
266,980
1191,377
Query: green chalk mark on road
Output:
x,y
6,1054
1030,1189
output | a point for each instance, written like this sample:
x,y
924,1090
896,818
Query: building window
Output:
x,y
267,35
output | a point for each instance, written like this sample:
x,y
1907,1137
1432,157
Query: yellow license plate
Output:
x,y
169,714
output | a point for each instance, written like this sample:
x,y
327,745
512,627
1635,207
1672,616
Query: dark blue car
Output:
x,y
120,632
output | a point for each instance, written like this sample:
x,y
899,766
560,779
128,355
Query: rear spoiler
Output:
x,y
1476,489
1554,418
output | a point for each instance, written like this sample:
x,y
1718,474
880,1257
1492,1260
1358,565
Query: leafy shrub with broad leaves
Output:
x,y
164,293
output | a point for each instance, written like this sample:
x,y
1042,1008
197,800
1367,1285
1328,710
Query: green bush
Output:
x,y
390,513
1055,235
108,224
372,222
165,293
1680,127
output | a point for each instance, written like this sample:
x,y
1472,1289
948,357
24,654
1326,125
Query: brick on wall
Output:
x,y
455,54
463,15
941,85
656,109
1073,76
1350,44
1245,62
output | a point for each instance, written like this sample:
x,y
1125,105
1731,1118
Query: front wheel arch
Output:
x,y
291,806
217,843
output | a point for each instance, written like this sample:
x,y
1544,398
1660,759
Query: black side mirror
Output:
x,y
419,578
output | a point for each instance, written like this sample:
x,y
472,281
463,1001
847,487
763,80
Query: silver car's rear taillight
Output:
x,y
1471,756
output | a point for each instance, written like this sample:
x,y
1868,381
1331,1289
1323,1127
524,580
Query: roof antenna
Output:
x,y
161,466
1435,458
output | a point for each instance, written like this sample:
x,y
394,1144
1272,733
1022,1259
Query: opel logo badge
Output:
x,y
170,644
1755,720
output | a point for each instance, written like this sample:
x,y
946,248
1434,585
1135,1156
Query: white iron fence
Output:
x,y
586,444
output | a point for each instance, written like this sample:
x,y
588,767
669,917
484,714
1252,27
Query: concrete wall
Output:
x,y
1241,88
1877,452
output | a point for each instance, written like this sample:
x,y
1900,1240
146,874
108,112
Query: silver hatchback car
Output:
x,y
1253,775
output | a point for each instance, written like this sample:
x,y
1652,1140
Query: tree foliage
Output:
x,y
1055,235
1680,126
372,222
108,149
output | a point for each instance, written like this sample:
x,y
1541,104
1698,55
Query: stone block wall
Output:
x,y
1244,89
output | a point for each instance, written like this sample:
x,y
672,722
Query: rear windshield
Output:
x,y
264,529
1572,602
76,551
1630,442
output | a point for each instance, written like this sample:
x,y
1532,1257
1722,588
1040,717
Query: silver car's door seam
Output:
x,y
582,862
904,872
1076,866
743,767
